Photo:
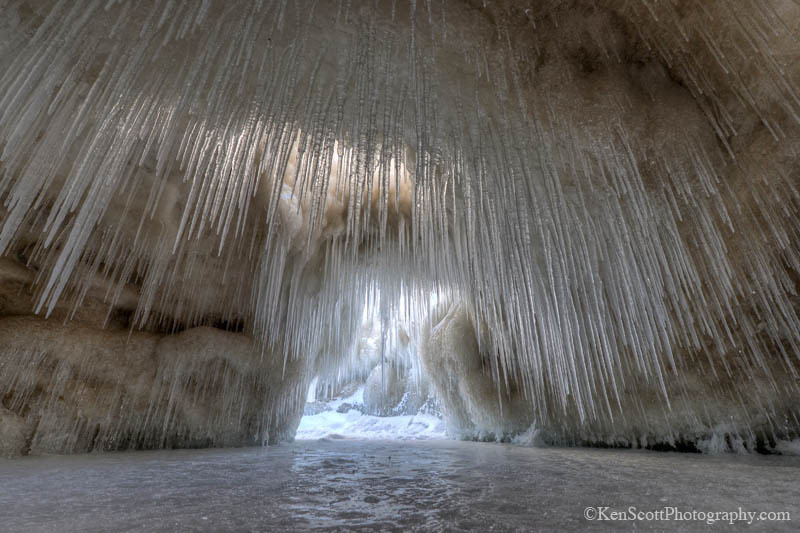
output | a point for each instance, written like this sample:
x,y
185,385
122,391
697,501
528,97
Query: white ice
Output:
x,y
354,425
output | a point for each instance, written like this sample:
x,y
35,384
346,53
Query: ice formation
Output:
x,y
605,193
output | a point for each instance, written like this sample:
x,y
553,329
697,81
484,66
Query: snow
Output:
x,y
788,447
352,424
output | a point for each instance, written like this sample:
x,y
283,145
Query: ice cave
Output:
x,y
390,265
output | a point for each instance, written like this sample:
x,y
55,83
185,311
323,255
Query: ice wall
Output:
x,y
481,399
610,189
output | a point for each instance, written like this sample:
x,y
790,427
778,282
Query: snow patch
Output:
x,y
352,424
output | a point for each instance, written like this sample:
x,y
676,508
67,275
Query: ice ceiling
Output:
x,y
196,197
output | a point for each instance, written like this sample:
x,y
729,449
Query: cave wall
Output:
x,y
480,399
737,409
609,192
86,383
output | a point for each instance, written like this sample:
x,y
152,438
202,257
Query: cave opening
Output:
x,y
381,390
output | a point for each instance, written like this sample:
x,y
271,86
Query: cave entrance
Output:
x,y
380,390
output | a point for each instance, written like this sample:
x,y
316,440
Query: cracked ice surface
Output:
x,y
382,485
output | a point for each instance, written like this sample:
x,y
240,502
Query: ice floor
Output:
x,y
386,485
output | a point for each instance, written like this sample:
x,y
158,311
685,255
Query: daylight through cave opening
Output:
x,y
381,390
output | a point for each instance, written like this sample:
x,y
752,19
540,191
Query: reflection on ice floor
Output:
x,y
385,485
354,425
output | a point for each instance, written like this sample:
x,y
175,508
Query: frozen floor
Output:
x,y
385,485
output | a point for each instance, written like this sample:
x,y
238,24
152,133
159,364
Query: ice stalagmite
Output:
x,y
605,195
